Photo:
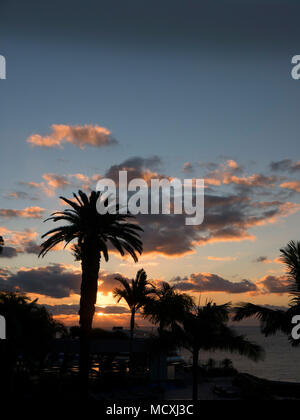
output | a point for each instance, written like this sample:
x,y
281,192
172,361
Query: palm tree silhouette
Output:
x,y
274,320
204,328
31,330
136,293
1,244
169,306
93,233
166,308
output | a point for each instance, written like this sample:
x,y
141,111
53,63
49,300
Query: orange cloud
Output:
x,y
39,186
255,180
274,284
187,167
284,210
56,181
212,181
226,236
85,181
80,136
291,185
15,237
231,172
27,213
232,164
17,242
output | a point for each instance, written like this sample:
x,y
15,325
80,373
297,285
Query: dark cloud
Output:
x,y
8,252
206,282
29,247
227,218
188,167
209,166
108,281
62,309
285,165
73,309
261,259
54,281
135,166
274,284
113,309
32,248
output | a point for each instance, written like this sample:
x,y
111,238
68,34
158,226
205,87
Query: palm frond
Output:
x,y
271,320
87,226
134,292
229,341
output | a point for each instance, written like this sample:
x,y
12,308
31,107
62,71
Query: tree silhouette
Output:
x,y
205,328
30,329
136,294
93,233
274,320
167,307
1,244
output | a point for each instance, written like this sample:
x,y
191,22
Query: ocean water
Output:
x,y
282,361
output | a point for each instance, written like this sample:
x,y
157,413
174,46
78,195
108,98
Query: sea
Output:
x,y
281,363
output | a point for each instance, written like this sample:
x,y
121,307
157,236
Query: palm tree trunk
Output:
x,y
89,286
195,374
160,332
132,323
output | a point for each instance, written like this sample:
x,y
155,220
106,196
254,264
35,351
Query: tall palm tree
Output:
x,y
205,328
1,244
274,320
168,306
135,293
93,233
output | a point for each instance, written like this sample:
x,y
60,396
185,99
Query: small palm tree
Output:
x,y
204,328
93,233
274,320
136,294
168,306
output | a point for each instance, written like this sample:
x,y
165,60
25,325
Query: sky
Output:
x,y
186,89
